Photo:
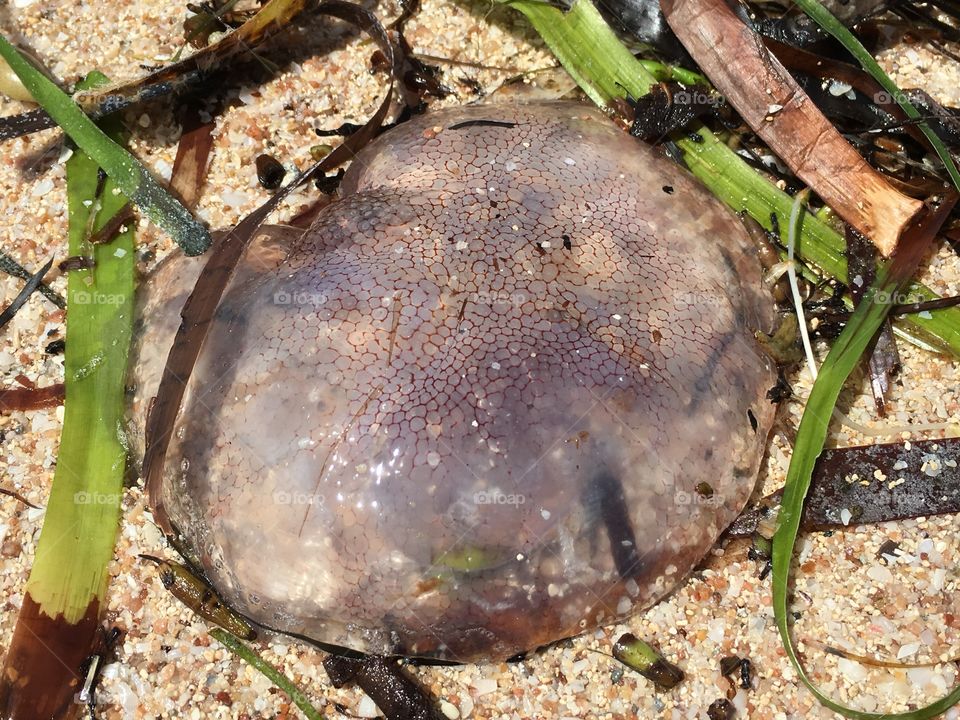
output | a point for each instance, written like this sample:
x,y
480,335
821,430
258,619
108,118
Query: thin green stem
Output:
x,y
252,658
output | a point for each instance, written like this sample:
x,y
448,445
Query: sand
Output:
x,y
907,608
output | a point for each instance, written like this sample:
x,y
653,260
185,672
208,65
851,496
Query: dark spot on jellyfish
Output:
x,y
482,123
493,203
539,246
566,242
270,172
56,347
605,497
753,420
328,184
668,189
704,490
657,336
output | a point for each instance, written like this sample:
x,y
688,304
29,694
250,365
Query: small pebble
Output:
x,y
270,172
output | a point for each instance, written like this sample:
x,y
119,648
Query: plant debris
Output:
x,y
12,267
32,285
31,398
638,655
777,109
393,690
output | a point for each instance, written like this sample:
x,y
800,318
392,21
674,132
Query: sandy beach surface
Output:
x,y
847,594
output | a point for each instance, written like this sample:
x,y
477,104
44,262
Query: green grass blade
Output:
x,y
820,15
605,69
843,357
253,659
80,524
133,179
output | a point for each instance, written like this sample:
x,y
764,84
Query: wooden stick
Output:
x,y
780,112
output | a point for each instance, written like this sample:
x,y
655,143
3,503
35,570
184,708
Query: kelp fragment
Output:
x,y
12,267
31,398
640,656
194,592
394,691
32,285
869,484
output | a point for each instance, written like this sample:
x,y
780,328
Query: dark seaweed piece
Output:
x,y
865,481
272,18
744,673
55,347
328,184
77,262
345,130
938,304
12,267
887,550
114,225
931,487
17,496
31,398
32,285
103,653
394,691
669,106
193,155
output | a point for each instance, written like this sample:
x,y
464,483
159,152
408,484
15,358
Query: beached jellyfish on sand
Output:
x,y
504,390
